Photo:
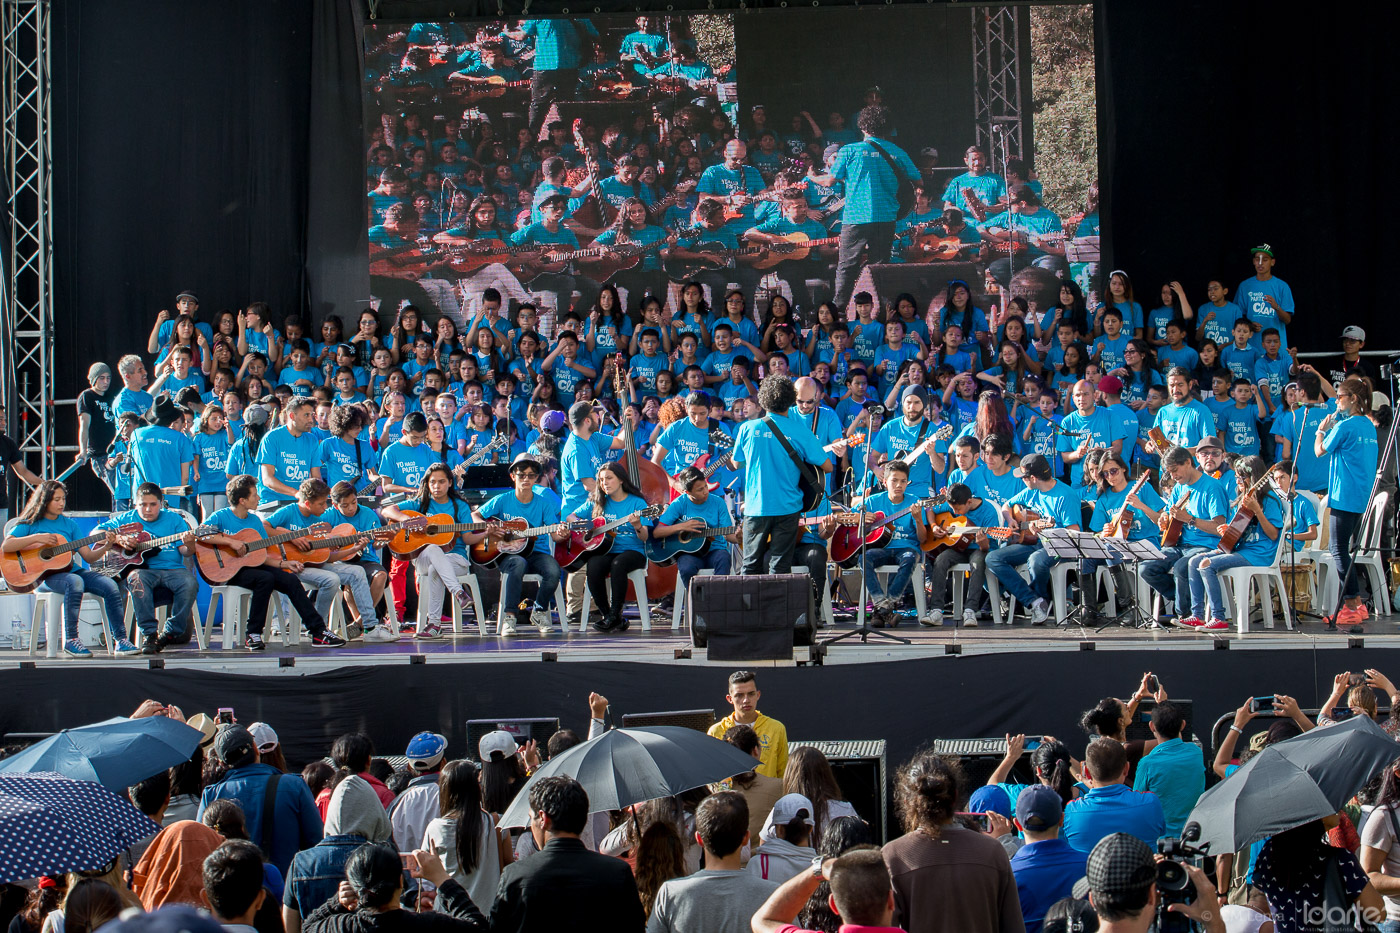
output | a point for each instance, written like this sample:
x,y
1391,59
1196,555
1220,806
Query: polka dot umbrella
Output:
x,y
51,824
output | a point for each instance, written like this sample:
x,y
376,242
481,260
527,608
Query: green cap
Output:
x,y
1263,248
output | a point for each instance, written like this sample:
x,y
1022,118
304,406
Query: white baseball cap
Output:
x,y
787,809
498,741
264,735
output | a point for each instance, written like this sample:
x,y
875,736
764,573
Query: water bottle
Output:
x,y
17,639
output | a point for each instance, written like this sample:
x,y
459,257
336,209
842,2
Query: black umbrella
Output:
x,y
1293,782
626,766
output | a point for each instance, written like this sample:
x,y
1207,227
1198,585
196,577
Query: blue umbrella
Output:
x,y
115,753
51,824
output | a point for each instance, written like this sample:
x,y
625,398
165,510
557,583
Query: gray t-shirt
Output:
x,y
1379,833
709,902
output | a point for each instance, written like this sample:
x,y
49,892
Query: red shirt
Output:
x,y
385,795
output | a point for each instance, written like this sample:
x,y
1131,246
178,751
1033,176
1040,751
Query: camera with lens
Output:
x,y
1174,884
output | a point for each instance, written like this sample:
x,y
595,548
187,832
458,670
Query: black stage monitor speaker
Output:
x,y
1140,728
980,757
760,617
522,730
860,771
698,719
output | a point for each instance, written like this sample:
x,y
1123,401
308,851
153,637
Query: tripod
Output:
x,y
1386,456
863,631
1138,551
1079,547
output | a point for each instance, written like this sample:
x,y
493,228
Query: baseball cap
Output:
x,y
1209,441
525,459
990,798
498,741
1351,333
235,746
1035,466
552,420
1038,808
787,808
425,750
1264,248
1111,384
187,294
264,735
1120,864
255,415
204,724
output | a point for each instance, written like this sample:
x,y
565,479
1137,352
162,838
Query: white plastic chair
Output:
x,y
1059,587
472,587
916,582
680,596
638,579
48,613
1368,555
826,612
1235,585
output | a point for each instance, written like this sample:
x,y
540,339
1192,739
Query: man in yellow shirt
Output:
x,y
772,735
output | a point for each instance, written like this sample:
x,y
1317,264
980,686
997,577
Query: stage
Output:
x,y
948,683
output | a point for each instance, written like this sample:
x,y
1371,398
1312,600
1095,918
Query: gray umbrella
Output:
x,y
1292,782
626,766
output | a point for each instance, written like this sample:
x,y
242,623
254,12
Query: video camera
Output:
x,y
1174,884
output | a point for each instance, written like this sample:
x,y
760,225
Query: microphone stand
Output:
x,y
1292,523
863,630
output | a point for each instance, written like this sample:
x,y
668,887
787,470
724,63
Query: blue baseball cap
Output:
x,y
990,799
1038,808
425,750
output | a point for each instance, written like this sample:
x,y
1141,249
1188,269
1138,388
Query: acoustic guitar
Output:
x,y
485,88
119,561
24,570
960,533
217,563
1231,532
1025,525
487,551
412,536
596,537
790,246
1119,525
847,544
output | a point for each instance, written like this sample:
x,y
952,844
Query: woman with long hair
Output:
x,y
89,904
1349,436
1293,869
809,773
659,856
1110,718
45,898
1012,366
344,456
632,227
367,339
959,309
408,325
1072,309
1138,373
694,317
991,418
1050,760
614,497
1120,296
608,326
42,524
778,311
463,834
437,443
388,427
439,568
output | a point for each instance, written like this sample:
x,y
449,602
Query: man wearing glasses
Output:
x,y
822,420
536,509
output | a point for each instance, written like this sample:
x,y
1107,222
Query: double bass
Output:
x,y
651,479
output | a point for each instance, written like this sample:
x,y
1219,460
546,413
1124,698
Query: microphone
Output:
x,y
876,409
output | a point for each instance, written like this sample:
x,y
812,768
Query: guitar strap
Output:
x,y
804,469
923,429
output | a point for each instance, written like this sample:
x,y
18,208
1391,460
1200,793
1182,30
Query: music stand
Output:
x,y
1137,552
1078,546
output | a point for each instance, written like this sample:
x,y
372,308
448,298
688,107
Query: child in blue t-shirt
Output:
x,y
1240,356
1240,422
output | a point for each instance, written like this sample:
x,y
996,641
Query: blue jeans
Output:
x,y
513,568
716,558
1345,526
906,558
1207,602
1170,576
1003,561
72,584
178,582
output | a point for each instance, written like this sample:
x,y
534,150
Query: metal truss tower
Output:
x,y
26,344
996,69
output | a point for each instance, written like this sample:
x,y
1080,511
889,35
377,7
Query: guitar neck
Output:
x,y
74,545
157,542
276,540
542,530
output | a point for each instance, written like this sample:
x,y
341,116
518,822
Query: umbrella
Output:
x,y
115,753
1293,782
50,824
626,766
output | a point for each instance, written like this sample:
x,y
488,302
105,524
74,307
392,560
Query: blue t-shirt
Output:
x,y
1172,773
62,526
1299,427
646,368
540,511
625,536
1185,425
1220,329
291,458
1351,445
1109,504
1184,357
903,536
1240,362
891,357
897,438
1241,427
580,461
713,512
1275,372
167,523
211,452
157,455
1112,809
998,490
871,185
363,520
1060,504
1109,351
1100,427
339,463
1256,546
128,400
1304,519
866,339
1251,296
403,465
292,518
685,443
1045,872
228,522
1205,499
770,476
461,514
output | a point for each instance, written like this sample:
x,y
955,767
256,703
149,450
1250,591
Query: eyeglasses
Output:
x,y
1132,350
526,474
806,401
1112,471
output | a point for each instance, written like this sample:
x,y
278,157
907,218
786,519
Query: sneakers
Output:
x,y
1216,625
431,630
125,649
166,639
408,627
969,618
76,649
1040,612
325,638
254,642
933,619
1189,622
506,626
1352,616
150,644
380,635
542,621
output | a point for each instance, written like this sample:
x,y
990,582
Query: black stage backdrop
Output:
x,y
214,147
907,703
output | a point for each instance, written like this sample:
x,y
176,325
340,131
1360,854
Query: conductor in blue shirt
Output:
x,y
872,170
772,497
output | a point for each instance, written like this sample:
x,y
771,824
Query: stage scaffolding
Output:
x,y
996,93
26,345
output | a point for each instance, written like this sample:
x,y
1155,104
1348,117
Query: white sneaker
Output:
x,y
1040,612
380,634
542,621
969,618
933,619
506,626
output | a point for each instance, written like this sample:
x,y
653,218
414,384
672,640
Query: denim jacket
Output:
x,y
316,872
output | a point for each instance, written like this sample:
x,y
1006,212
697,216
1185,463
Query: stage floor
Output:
x,y
663,646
